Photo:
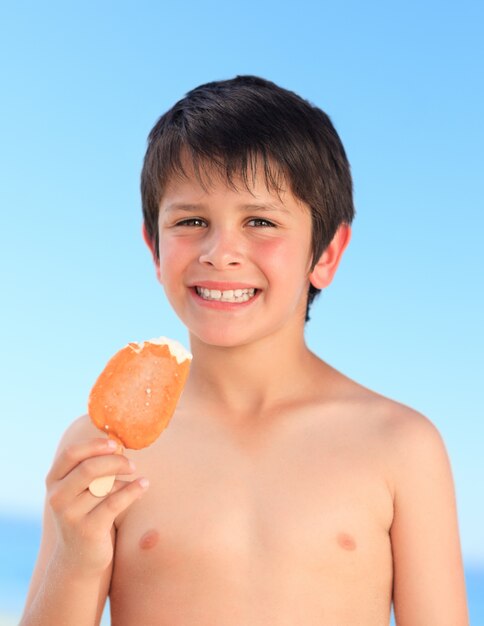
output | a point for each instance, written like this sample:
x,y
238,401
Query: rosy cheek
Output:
x,y
274,252
270,247
173,252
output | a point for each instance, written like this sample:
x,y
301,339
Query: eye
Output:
x,y
262,222
192,221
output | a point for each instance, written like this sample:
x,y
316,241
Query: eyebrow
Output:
x,y
177,206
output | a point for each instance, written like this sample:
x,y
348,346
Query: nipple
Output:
x,y
149,539
346,541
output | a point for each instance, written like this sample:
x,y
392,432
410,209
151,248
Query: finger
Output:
x,y
85,502
74,454
64,492
106,465
116,502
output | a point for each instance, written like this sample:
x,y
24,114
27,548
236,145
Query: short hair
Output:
x,y
234,124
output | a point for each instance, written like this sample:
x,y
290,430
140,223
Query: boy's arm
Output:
x,y
71,579
429,585
57,595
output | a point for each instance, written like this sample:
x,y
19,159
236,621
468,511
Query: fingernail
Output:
x,y
144,483
132,466
111,444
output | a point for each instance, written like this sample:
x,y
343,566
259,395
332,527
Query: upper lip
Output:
x,y
221,286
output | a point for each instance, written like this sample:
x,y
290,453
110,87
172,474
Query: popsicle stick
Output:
x,y
101,486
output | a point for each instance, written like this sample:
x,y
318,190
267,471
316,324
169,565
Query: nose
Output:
x,y
222,249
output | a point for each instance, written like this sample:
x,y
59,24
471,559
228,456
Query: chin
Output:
x,y
223,337
219,340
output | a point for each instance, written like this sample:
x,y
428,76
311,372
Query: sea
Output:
x,y
19,543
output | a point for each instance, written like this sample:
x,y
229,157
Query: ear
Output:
x,y
151,248
326,267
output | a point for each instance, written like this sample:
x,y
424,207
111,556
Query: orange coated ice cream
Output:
x,y
136,394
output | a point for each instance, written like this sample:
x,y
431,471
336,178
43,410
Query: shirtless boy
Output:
x,y
282,493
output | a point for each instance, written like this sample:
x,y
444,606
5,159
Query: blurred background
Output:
x,y
82,85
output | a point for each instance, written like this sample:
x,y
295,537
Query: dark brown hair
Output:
x,y
234,124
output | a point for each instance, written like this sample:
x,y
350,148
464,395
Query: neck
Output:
x,y
237,383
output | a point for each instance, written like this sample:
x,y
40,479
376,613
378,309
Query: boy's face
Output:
x,y
225,240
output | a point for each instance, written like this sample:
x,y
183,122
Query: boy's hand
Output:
x,y
84,522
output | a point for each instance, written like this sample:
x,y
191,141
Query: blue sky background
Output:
x,y
82,84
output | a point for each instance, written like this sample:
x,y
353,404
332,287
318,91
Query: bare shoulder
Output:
x,y
409,441
80,429
428,574
428,570
413,444
397,421
400,425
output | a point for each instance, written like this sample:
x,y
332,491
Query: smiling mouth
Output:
x,y
231,295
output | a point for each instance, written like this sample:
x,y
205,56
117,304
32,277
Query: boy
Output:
x,y
283,493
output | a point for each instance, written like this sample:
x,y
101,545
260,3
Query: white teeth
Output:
x,y
231,295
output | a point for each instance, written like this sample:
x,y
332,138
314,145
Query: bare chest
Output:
x,y
284,532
